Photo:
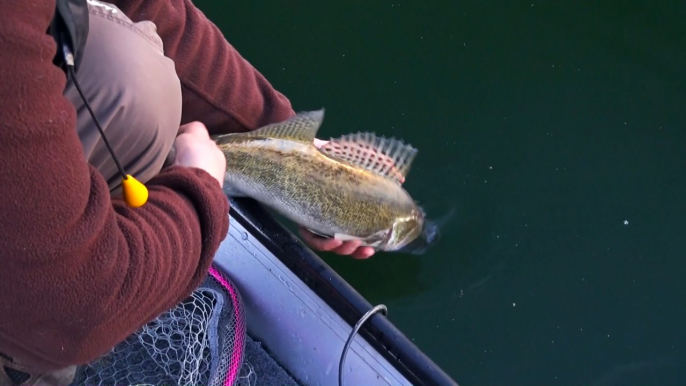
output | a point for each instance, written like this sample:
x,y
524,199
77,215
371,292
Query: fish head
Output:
x,y
411,232
428,236
416,235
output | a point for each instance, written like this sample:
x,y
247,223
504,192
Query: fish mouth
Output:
x,y
430,235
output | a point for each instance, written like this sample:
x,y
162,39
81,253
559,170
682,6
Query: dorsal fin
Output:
x,y
301,127
390,158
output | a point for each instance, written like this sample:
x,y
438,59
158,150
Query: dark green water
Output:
x,y
556,131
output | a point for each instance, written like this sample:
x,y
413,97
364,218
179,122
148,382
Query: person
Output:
x,y
81,270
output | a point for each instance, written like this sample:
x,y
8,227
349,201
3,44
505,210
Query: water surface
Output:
x,y
557,132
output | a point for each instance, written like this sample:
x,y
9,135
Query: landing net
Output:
x,y
199,342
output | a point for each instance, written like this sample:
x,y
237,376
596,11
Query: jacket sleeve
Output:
x,y
220,88
81,271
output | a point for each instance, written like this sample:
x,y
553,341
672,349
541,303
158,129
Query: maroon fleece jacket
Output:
x,y
80,271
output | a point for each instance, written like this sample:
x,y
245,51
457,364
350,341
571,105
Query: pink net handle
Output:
x,y
234,367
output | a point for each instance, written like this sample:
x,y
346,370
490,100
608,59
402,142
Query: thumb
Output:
x,y
194,128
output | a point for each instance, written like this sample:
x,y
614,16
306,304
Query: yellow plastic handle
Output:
x,y
135,193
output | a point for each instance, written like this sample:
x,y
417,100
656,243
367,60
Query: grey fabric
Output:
x,y
14,373
266,370
133,90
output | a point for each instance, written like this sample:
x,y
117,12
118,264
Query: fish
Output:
x,y
348,189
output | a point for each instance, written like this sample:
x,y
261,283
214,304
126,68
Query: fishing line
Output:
x,y
379,308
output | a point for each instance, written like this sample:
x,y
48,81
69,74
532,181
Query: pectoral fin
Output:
x,y
344,237
319,234
370,241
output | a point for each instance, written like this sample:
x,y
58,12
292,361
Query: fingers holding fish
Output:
x,y
319,243
346,248
197,129
194,148
363,253
355,249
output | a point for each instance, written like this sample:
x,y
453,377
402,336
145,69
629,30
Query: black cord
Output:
x,y
359,323
97,123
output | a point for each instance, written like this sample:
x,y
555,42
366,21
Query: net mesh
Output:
x,y
199,342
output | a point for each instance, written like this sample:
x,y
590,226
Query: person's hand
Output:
x,y
194,148
339,247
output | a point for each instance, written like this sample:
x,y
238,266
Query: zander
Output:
x,y
350,188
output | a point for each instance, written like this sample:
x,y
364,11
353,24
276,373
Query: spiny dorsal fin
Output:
x,y
301,127
390,158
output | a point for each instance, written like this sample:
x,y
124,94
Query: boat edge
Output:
x,y
383,335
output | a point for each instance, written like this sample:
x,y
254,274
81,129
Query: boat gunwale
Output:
x,y
380,332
